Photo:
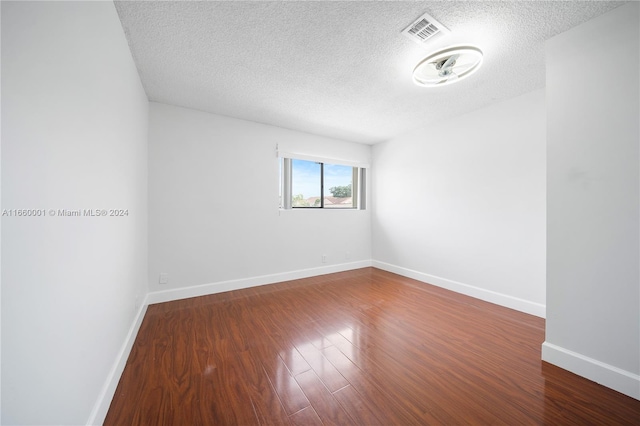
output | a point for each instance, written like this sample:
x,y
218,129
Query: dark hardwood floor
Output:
x,y
363,347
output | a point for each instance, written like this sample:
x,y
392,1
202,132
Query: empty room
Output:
x,y
320,212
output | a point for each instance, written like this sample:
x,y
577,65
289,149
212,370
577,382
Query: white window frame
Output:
x,y
359,180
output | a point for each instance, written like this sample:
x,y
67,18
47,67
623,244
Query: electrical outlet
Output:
x,y
164,278
324,258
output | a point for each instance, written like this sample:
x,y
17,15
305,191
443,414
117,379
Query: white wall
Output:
x,y
213,205
461,204
74,133
593,186
0,224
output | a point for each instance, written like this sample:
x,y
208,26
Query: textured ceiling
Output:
x,y
337,68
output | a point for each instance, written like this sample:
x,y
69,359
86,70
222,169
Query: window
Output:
x,y
315,184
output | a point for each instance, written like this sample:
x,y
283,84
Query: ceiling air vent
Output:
x,y
424,28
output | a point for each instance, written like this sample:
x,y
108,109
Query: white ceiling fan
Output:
x,y
447,66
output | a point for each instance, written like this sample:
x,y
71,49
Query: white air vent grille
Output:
x,y
424,28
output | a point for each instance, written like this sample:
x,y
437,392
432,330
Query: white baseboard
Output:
x,y
103,402
592,369
219,287
505,300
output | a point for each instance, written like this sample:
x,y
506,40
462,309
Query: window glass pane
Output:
x,y
305,183
338,184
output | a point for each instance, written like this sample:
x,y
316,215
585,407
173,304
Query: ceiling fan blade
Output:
x,y
445,69
465,61
450,61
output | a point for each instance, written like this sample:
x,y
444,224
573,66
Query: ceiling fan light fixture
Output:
x,y
447,66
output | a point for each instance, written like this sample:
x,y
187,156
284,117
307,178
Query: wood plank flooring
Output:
x,y
363,347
